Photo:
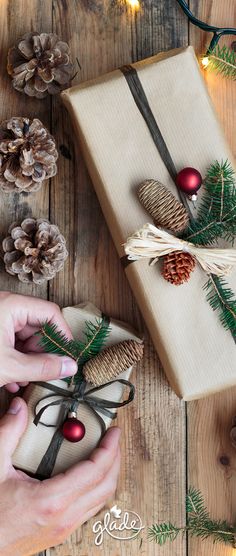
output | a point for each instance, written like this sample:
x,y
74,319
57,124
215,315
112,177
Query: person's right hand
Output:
x,y
37,515
22,360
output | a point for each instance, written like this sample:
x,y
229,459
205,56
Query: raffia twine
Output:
x,y
152,243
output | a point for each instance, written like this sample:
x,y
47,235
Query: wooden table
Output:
x,y
166,445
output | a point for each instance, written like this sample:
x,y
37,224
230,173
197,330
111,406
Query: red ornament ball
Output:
x,y
189,180
73,430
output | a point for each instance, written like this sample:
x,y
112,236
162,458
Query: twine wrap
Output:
x,y
162,206
112,361
152,243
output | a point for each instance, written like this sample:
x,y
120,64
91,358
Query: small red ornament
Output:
x,y
73,430
189,180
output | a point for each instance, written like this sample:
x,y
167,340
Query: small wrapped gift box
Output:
x,y
197,353
36,440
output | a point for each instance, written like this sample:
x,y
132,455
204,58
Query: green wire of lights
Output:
x,y
218,32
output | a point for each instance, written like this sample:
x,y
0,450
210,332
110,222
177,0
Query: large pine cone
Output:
x,y
34,251
28,155
177,267
163,207
110,362
40,64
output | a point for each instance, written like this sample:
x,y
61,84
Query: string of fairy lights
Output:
x,y
218,32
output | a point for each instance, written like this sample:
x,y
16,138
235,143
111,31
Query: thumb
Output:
x,y
12,426
38,366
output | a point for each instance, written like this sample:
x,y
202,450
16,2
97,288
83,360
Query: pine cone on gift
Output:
x,y
177,267
34,251
40,64
28,155
162,206
110,362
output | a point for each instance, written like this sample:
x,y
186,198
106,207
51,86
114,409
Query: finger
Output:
x,y
32,367
20,311
13,387
87,474
12,426
27,332
33,311
103,491
84,507
72,513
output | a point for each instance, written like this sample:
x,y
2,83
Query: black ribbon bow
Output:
x,y
69,401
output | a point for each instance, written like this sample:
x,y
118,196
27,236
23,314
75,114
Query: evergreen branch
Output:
x,y
222,60
53,340
164,532
199,524
222,299
217,211
220,531
195,504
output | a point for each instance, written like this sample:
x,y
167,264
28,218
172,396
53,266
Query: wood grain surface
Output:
x,y
165,445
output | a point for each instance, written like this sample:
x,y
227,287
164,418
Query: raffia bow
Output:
x,y
153,243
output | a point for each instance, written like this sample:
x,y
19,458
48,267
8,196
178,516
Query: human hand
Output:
x,y
37,515
21,360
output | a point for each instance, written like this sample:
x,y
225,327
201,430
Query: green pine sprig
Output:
x,y
217,210
199,524
222,60
222,299
216,220
52,340
163,532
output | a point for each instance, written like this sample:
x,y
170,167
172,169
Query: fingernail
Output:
x,y
68,367
15,406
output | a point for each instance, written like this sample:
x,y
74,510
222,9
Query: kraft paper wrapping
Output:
x,y
198,355
35,440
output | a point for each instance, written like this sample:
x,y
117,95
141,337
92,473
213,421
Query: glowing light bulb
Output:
x,y
134,4
205,61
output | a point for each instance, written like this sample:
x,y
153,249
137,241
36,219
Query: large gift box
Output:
x,y
36,440
197,353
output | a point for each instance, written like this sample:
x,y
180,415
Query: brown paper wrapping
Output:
x,y
198,355
35,440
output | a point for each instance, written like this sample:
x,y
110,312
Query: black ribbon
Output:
x,y
69,401
143,105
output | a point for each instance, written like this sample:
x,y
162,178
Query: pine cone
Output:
x,y
35,250
177,267
28,155
40,64
162,206
112,361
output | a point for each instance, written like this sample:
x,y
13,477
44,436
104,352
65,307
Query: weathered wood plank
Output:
x,y
16,19
152,478
211,458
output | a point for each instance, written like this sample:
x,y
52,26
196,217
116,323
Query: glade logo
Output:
x,y
119,525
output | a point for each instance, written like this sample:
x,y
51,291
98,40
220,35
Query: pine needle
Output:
x,y
222,60
52,340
